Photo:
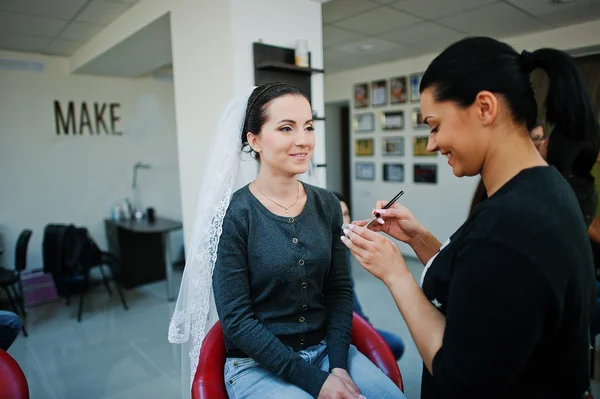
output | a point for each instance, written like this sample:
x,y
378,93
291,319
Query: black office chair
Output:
x,y
11,279
80,255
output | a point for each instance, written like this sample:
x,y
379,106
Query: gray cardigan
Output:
x,y
284,276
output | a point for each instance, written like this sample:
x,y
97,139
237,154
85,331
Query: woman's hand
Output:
x,y
336,388
396,221
343,374
376,253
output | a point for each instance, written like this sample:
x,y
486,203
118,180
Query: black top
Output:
x,y
516,284
284,277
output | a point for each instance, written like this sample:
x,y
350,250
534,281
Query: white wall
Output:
x,y
442,207
209,69
269,21
47,178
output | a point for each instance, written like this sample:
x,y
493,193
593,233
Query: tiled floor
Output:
x,y
118,354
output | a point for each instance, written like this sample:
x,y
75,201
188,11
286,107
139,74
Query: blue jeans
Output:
x,y
245,379
10,326
394,342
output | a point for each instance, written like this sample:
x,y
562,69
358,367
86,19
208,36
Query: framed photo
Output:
x,y
420,147
393,172
392,120
415,82
398,90
363,147
364,122
425,173
417,119
361,95
379,90
365,171
393,146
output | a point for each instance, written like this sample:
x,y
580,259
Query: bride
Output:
x,y
271,253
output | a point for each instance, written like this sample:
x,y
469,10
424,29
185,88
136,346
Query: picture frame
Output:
x,y
365,171
393,172
420,147
379,92
398,92
392,120
417,119
415,82
364,147
364,122
393,146
361,95
425,173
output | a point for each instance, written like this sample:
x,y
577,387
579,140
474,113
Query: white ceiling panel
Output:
x,y
63,47
30,25
499,19
337,10
61,9
367,46
334,56
402,51
377,21
386,1
80,31
537,7
426,35
56,27
102,12
572,15
333,36
430,9
34,44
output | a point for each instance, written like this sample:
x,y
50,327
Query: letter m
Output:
x,y
65,124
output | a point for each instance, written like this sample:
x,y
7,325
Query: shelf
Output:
x,y
282,66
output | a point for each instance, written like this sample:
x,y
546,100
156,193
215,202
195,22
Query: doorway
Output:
x,y
337,142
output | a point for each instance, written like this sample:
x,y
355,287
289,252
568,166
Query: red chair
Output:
x,y
13,384
209,382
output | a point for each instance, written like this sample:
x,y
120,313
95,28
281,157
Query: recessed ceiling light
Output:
x,y
561,1
366,46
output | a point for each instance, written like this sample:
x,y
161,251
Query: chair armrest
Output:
x,y
368,342
13,383
209,382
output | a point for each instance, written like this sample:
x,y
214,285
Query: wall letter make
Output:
x,y
101,118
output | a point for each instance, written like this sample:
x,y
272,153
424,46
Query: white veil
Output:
x,y
226,170
195,311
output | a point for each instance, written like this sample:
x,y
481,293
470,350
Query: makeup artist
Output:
x,y
504,306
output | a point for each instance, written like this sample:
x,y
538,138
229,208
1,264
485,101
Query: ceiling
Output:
x,y
57,27
357,33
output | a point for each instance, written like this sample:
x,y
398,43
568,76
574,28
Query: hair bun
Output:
x,y
527,61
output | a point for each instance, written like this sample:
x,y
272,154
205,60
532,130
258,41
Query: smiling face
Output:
x,y
286,140
458,133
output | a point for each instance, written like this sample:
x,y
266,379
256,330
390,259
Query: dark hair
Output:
x,y
340,196
474,64
258,103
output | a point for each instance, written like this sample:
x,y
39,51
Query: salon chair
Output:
x,y
13,384
209,382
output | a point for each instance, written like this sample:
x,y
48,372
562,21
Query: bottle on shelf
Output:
x,y
301,53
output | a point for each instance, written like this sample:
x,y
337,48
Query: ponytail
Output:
x,y
575,138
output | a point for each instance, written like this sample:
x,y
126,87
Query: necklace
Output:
x,y
286,208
